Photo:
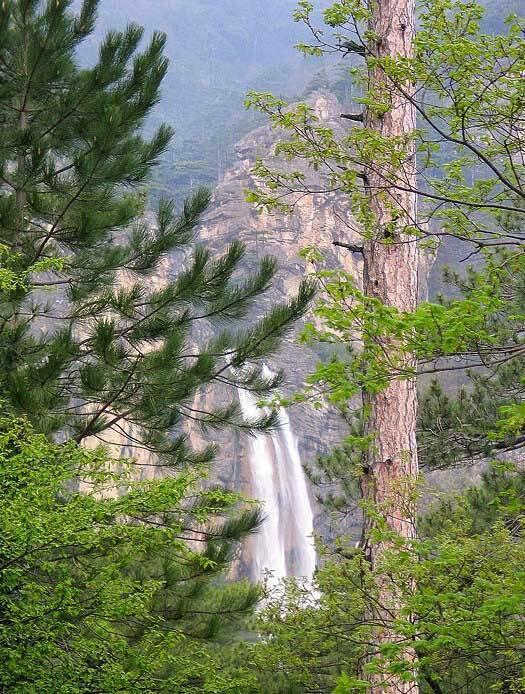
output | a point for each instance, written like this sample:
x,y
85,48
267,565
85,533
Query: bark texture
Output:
x,y
391,275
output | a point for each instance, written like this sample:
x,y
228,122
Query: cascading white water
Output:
x,y
284,545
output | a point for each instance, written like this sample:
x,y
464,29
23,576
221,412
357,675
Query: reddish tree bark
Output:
x,y
391,275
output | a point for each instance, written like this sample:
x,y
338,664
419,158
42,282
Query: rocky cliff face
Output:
x,y
316,222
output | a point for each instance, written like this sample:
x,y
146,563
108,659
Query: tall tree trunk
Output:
x,y
390,274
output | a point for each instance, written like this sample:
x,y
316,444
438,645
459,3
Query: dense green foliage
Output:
x,y
468,605
487,415
462,580
92,602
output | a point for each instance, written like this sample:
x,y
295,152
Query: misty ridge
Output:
x,y
218,51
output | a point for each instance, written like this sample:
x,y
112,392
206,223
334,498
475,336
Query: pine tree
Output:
x,y
91,348
485,415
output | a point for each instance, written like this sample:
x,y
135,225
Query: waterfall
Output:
x,y
284,544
